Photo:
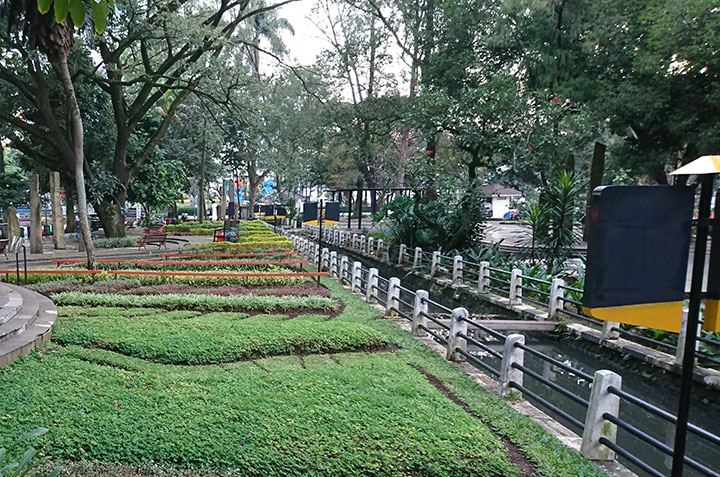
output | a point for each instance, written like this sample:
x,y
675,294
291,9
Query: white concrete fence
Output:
x,y
458,331
543,299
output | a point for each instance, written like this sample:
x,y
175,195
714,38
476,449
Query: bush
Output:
x,y
199,302
116,242
229,247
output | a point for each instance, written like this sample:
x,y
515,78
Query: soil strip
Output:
x,y
527,469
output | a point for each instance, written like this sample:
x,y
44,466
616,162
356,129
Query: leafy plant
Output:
x,y
116,242
29,459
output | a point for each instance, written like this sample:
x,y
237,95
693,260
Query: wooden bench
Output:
x,y
153,239
4,247
219,234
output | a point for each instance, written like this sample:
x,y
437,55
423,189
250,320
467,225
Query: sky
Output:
x,y
308,41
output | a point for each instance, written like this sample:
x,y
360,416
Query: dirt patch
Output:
x,y
527,469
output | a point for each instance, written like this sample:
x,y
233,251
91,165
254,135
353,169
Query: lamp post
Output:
x,y
705,167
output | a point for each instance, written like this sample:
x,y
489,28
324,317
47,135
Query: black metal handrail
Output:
x,y
555,362
663,414
436,305
435,320
481,345
661,446
485,329
547,404
477,362
630,457
555,387
436,336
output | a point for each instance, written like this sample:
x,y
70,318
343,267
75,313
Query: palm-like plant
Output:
x,y
54,36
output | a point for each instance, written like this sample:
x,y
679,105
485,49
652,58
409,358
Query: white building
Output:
x,y
499,198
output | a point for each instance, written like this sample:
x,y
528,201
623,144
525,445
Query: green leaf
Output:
x,y
62,8
55,472
100,14
77,12
31,435
44,6
28,456
3,451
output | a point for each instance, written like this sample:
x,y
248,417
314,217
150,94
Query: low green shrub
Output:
x,y
199,302
116,242
230,247
212,338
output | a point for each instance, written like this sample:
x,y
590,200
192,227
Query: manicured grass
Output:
x,y
182,338
104,390
368,415
199,302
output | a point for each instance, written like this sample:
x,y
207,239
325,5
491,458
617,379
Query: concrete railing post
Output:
x,y
457,274
557,295
325,265
458,325
484,277
682,336
393,296
435,264
380,248
516,287
370,250
609,330
356,276
401,254
420,307
333,264
363,244
601,402
372,283
344,267
512,354
417,258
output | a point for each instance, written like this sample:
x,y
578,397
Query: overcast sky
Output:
x,y
307,42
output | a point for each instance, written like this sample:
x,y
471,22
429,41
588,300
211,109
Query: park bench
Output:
x,y
219,233
153,239
4,247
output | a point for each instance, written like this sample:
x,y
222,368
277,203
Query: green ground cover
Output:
x,y
199,302
300,412
185,338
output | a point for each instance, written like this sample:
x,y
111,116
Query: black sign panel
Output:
x,y
638,245
332,211
310,211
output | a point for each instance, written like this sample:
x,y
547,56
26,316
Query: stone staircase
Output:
x,y
26,320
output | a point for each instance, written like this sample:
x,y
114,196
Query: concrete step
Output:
x,y
20,321
11,303
28,329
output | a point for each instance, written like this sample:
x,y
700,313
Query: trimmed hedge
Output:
x,y
199,302
230,247
116,242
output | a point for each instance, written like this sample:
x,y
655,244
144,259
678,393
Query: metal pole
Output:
x,y
349,209
25,263
320,222
698,269
17,266
361,193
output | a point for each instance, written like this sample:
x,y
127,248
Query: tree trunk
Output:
x,y
597,169
2,159
111,217
201,182
466,225
78,142
70,224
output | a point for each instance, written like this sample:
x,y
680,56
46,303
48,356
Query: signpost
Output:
x,y
638,248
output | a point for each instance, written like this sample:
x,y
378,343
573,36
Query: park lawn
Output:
x,y
346,413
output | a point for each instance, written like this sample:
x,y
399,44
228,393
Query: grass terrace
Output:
x,y
148,377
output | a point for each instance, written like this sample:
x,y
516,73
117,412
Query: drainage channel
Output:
x,y
649,383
